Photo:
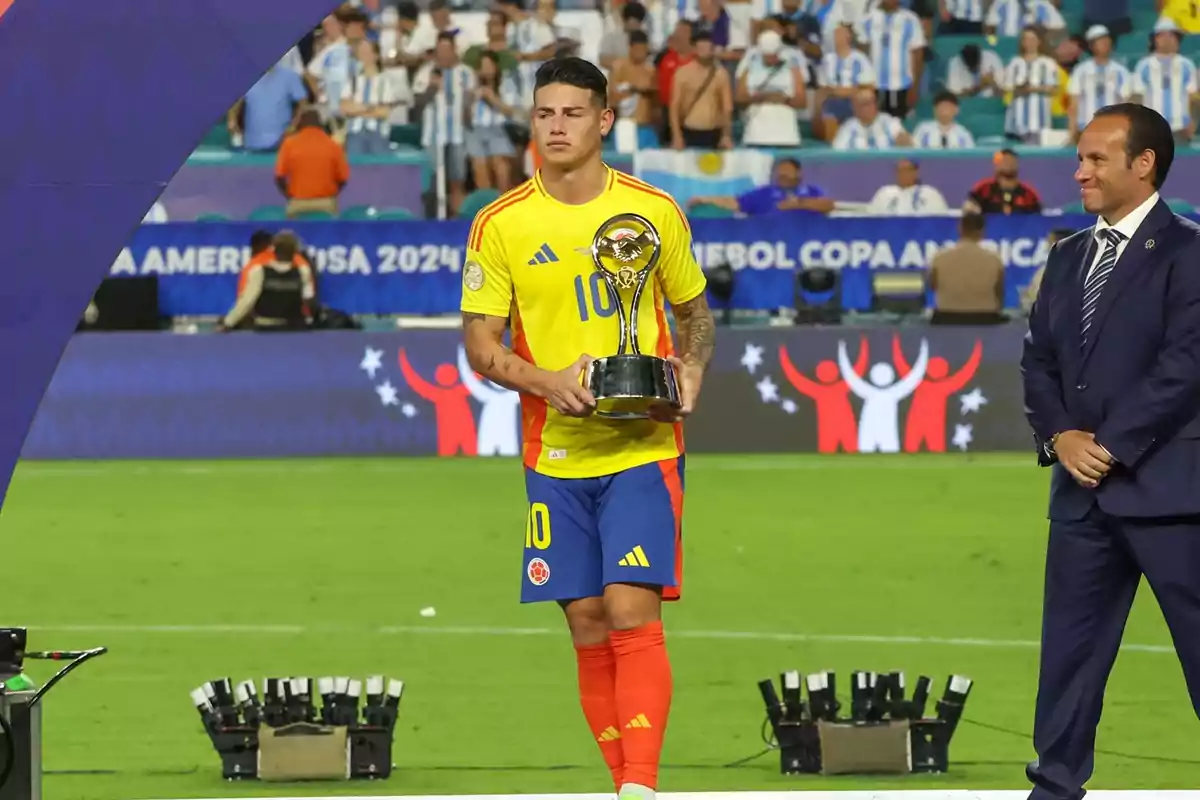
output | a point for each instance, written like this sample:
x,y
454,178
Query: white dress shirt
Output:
x,y
1127,227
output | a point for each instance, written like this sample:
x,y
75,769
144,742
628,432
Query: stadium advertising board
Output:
x,y
880,390
412,267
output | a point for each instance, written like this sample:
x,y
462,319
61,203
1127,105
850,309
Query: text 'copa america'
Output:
x,y
431,258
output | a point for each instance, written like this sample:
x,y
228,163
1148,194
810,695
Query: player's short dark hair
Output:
x,y
574,71
1148,130
945,97
972,224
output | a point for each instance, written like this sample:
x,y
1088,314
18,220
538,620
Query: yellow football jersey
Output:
x,y
529,259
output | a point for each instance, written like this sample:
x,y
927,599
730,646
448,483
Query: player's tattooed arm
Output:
x,y
697,331
483,338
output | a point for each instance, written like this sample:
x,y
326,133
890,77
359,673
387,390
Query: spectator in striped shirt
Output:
x,y
495,101
844,72
907,196
614,45
533,41
961,17
1011,17
895,41
944,132
1096,83
1166,81
870,129
1032,78
367,104
443,91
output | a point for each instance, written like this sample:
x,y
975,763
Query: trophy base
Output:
x,y
629,386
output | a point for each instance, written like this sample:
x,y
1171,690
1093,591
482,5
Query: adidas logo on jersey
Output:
x,y
635,558
543,256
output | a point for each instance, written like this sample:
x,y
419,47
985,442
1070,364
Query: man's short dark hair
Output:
x,y
945,97
408,10
1148,130
574,71
701,35
446,36
1008,151
795,162
633,10
286,244
638,37
260,240
972,224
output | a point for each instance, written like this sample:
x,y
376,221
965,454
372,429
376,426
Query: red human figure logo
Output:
x,y
926,422
837,426
455,423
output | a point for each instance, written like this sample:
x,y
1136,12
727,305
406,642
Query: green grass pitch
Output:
x,y
327,563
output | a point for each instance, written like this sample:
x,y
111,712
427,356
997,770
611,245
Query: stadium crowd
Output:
x,y
716,74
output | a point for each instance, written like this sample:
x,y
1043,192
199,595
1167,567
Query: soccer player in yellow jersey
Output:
x,y
605,497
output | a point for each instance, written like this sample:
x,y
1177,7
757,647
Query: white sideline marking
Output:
x,y
443,630
1131,794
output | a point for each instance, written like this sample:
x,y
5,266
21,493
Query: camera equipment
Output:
x,y
21,713
354,743
884,733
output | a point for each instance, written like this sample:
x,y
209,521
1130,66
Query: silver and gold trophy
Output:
x,y
627,385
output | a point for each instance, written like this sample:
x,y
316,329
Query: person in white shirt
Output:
x,y
844,71
534,42
443,91
907,197
753,56
869,129
367,104
1010,17
441,20
975,72
895,41
1166,81
944,132
962,17
1096,83
1033,80
771,90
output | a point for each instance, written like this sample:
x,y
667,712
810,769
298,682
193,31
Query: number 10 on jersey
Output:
x,y
593,298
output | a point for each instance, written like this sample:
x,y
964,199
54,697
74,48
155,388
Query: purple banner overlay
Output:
x,y
142,82
797,390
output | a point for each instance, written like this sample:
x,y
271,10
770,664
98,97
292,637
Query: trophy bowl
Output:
x,y
628,386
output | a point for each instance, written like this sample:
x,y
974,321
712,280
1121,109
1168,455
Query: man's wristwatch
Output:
x,y
1049,445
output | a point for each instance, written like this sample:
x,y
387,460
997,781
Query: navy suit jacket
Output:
x,y
1136,385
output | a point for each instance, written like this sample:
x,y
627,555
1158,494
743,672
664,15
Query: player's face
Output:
x,y
1107,178
568,124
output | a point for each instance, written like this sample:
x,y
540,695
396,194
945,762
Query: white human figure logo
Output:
x,y
881,393
499,428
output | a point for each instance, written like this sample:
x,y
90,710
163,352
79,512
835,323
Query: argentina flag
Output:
x,y
685,174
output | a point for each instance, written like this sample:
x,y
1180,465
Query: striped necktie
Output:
x,y
1094,284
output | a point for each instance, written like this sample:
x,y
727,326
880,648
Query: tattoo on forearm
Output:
x,y
697,331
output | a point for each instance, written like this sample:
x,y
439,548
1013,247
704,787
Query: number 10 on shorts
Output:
x,y
537,527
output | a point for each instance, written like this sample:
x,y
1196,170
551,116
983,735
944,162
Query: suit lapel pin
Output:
x,y
1149,244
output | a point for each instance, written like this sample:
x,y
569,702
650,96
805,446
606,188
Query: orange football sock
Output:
x,y
643,699
597,695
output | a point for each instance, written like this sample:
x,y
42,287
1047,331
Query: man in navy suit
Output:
x,y
1111,370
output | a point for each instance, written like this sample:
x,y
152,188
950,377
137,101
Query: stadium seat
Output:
x,y
267,213
1074,208
406,135
212,216
1181,206
314,216
359,213
475,201
393,214
217,137
709,211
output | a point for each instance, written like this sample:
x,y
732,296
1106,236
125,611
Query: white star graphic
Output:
x,y
788,405
408,410
962,436
372,361
972,400
752,358
387,394
767,390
